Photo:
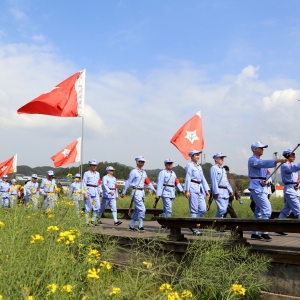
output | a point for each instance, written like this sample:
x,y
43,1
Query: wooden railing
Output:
x,y
238,225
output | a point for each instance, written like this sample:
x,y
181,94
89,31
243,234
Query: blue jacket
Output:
x,y
194,172
257,169
289,173
137,178
93,179
109,185
166,183
219,182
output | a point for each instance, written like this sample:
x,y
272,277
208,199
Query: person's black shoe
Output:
x,y
281,233
266,237
141,229
256,237
118,223
132,229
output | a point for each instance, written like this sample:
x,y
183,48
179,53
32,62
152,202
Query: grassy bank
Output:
x,y
52,255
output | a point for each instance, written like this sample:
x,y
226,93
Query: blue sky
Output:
x,y
183,55
222,36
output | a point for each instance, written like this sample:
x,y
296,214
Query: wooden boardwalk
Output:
x,y
281,249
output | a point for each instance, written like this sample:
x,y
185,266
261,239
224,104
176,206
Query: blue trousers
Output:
x,y
263,207
108,201
167,212
197,204
139,208
222,204
291,204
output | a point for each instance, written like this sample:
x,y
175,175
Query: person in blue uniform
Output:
x,y
14,192
196,187
76,191
110,194
137,180
289,175
31,191
90,183
258,186
48,190
166,184
220,186
4,191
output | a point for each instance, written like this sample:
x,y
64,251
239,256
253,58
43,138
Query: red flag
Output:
x,y
189,136
8,166
68,155
65,100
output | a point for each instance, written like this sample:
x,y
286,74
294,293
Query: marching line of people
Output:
x,y
196,189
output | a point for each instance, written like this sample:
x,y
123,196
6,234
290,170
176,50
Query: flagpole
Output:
x,y
81,150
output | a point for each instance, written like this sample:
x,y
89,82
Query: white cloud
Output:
x,y
128,115
18,14
38,38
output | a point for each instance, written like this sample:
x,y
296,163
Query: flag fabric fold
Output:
x,y
8,166
189,136
68,155
65,100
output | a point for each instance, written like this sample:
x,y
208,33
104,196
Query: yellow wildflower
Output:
x,y
67,288
50,216
105,264
165,287
69,175
35,238
1,297
93,273
238,289
1,224
173,296
115,291
198,225
52,228
186,294
94,256
148,265
30,298
52,287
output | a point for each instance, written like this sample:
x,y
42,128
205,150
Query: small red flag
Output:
x,y
68,155
8,166
65,100
189,136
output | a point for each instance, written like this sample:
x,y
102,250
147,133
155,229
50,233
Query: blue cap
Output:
x,y
4,176
77,175
110,168
93,162
168,161
191,153
287,151
35,176
50,173
140,158
258,145
219,154
13,180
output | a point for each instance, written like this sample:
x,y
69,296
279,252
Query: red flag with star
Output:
x,y
8,166
68,155
65,100
189,136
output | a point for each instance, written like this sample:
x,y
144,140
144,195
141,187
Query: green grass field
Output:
x,y
181,206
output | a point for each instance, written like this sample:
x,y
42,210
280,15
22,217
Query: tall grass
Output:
x,y
52,255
